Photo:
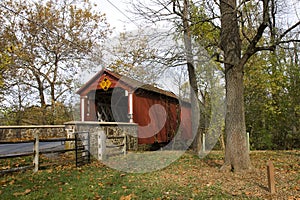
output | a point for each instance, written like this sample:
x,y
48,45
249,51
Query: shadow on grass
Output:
x,y
214,161
262,187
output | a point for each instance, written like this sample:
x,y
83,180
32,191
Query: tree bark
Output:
x,y
236,152
197,143
42,98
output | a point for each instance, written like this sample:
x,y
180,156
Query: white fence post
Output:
x,y
101,145
36,151
203,143
248,141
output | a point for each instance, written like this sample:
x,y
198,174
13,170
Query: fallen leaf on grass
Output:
x,y
128,197
100,184
293,198
97,196
27,191
209,184
12,182
109,184
5,167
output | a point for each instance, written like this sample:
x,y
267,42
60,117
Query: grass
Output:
x,y
187,178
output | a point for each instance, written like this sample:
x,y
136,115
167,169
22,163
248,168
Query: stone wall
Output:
x,y
110,129
13,133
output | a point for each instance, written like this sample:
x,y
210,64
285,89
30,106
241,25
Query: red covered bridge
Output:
x,y
111,97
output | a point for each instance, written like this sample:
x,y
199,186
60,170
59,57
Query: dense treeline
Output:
x,y
272,89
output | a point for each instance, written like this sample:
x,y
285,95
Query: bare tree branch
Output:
x,y
297,24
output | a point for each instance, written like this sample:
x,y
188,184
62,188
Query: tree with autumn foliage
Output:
x,y
4,61
49,40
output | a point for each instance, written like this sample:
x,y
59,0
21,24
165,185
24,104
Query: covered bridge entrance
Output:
x,y
111,97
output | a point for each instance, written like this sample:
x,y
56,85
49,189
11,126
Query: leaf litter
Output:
x,y
187,178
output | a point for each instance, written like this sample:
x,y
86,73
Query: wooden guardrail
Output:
x,y
79,142
80,147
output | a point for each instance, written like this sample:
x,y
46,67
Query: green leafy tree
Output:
x,y
272,100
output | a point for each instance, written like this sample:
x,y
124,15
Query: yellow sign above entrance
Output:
x,y
105,84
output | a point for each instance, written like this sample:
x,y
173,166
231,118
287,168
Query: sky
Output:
x,y
116,14
118,19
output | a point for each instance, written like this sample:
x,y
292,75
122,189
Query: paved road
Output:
x,y
28,147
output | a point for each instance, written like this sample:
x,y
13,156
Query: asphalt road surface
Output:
x,y
28,147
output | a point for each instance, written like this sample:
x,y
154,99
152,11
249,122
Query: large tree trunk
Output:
x,y
197,143
236,153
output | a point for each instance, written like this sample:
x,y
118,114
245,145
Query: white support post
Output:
x,y
248,141
82,105
101,145
36,152
203,143
88,108
82,108
130,105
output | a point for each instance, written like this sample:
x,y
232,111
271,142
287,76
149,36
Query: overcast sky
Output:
x,y
116,14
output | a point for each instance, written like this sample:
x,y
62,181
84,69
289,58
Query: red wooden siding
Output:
x,y
186,122
164,122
